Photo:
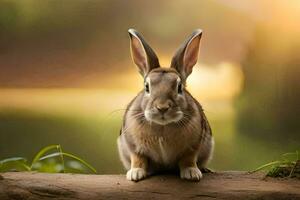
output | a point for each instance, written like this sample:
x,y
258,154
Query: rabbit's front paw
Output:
x,y
191,173
136,174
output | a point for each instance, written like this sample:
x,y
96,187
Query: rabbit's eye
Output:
x,y
179,88
147,87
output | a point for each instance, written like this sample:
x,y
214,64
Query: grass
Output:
x,y
51,159
287,166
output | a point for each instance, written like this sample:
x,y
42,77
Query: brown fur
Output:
x,y
146,138
151,146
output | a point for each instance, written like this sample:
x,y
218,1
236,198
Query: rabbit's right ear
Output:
x,y
142,54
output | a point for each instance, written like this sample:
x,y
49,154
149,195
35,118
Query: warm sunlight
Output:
x,y
66,101
222,82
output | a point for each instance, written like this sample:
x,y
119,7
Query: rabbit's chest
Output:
x,y
162,149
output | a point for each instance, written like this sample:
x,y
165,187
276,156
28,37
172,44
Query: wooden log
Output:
x,y
220,185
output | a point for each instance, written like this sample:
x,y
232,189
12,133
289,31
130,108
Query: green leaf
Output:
x,y
81,160
266,166
15,163
70,156
20,164
285,167
42,152
62,158
13,159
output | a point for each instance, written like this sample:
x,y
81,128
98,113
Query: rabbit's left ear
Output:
x,y
142,54
187,55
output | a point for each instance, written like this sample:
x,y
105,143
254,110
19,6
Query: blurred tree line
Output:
x,y
66,43
269,105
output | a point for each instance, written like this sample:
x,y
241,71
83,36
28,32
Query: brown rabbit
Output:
x,y
164,127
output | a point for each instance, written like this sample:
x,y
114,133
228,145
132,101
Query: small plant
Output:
x,y
49,159
287,166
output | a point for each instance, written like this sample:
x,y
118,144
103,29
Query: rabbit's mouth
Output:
x,y
165,118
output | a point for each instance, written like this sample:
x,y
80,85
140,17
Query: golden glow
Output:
x,y
215,87
65,101
222,82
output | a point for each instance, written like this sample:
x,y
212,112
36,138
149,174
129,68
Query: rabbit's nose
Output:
x,y
163,108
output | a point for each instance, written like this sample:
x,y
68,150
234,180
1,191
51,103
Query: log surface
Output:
x,y
220,185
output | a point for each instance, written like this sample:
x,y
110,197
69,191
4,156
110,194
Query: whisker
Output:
x,y
187,125
122,109
182,124
135,117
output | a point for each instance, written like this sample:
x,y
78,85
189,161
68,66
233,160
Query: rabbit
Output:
x,y
164,127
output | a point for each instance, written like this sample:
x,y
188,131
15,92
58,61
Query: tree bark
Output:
x,y
220,185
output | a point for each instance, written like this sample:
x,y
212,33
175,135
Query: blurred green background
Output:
x,y
66,74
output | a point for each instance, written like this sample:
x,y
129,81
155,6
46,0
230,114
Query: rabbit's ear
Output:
x,y
187,55
142,54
